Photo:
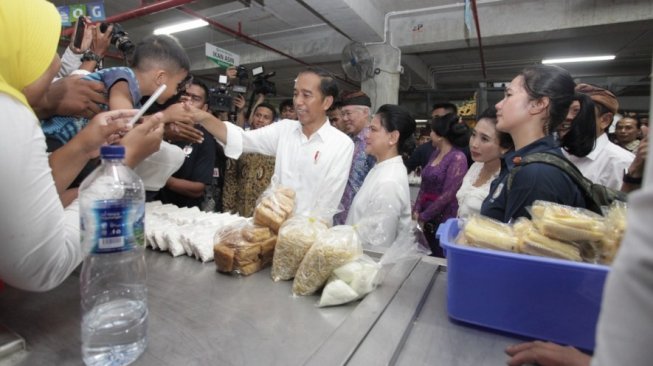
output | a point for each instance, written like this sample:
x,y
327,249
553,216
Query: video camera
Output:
x,y
221,97
261,83
119,38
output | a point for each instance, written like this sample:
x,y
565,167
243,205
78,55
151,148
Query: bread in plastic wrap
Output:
x,y
532,242
234,253
615,227
275,206
335,247
567,223
484,232
296,236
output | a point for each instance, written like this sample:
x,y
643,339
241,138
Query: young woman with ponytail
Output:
x,y
534,105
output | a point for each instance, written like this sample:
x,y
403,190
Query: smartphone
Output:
x,y
79,32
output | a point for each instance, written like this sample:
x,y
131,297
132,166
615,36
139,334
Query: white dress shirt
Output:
x,y
470,198
316,167
384,198
625,331
605,164
40,239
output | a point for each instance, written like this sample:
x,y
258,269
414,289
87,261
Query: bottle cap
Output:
x,y
112,152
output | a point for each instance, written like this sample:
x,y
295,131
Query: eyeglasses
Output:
x,y
185,83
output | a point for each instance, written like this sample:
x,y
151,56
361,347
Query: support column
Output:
x,y
383,88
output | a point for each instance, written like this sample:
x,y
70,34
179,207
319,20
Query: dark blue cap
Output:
x,y
112,152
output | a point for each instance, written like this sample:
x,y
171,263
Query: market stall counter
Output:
x,y
199,317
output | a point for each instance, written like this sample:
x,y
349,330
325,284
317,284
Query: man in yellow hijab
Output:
x,y
39,239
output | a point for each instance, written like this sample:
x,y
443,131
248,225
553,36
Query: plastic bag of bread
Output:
x,y
296,236
567,223
484,232
274,206
532,242
333,248
615,227
243,248
363,275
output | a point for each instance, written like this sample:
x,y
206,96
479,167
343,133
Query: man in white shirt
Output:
x,y
312,157
606,163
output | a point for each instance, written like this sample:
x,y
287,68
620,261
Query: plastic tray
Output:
x,y
536,297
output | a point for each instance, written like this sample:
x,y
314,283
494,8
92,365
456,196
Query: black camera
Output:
x,y
261,83
119,38
219,98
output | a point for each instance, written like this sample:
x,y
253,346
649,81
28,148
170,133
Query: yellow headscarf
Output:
x,y
29,34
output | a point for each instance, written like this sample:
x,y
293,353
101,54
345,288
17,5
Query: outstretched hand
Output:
x,y
546,354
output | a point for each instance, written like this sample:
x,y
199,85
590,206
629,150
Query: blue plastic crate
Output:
x,y
536,297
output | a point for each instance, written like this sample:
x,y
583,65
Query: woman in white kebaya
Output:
x,y
384,198
486,145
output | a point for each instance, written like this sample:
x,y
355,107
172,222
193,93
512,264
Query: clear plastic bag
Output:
x,y
363,275
484,232
567,223
615,227
275,205
335,247
296,236
243,248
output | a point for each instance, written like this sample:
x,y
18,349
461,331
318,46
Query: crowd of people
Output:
x,y
345,160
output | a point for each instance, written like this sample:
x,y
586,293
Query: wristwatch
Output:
x,y
630,179
90,56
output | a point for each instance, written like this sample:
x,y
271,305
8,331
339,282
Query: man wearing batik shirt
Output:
x,y
356,115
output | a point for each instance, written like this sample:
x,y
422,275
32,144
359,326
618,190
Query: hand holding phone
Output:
x,y
79,32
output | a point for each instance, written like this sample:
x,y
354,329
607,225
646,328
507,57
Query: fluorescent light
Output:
x,y
181,27
578,59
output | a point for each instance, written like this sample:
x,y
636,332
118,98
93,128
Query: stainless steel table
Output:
x,y
201,317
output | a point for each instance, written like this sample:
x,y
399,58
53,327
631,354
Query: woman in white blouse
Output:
x,y
384,198
486,145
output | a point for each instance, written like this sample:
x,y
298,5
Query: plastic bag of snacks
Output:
x,y
484,232
533,242
354,280
243,248
615,227
579,226
296,236
274,206
335,247
567,223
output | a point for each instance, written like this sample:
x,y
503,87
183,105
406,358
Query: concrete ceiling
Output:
x,y
439,57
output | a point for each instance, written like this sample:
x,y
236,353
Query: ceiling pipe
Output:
x,y
387,37
240,35
138,12
478,35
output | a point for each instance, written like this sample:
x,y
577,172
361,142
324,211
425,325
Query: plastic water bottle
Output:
x,y
113,288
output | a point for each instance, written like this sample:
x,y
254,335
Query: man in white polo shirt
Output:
x,y
312,157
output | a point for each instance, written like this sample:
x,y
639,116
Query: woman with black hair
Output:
x,y
442,176
384,195
534,105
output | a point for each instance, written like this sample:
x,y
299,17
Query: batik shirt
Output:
x,y
360,166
